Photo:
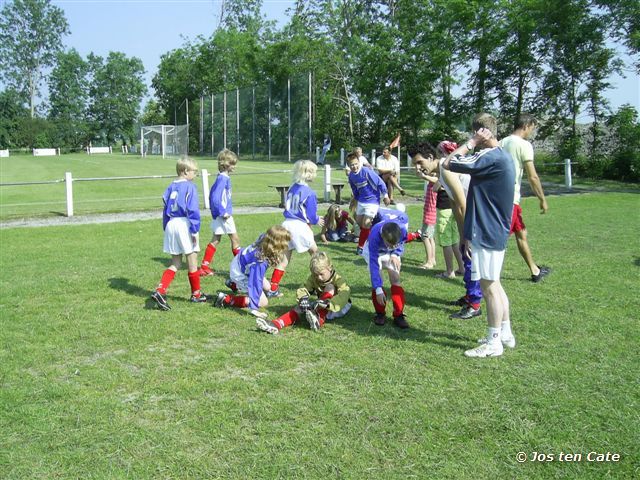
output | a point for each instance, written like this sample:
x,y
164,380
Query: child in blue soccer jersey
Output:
x,y
383,250
221,211
399,216
367,188
181,224
301,211
248,269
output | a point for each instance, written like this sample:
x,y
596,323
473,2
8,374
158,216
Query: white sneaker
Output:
x,y
266,326
486,350
312,318
507,342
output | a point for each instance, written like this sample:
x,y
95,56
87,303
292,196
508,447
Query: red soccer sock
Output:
x,y
364,234
397,297
165,281
322,315
286,319
239,301
235,251
209,252
275,279
194,281
379,308
411,236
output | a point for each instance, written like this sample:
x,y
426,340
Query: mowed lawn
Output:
x,y
250,183
96,383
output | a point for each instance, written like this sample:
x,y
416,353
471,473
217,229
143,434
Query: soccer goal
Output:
x,y
165,140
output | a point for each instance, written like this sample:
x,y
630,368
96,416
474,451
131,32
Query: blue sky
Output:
x,y
148,28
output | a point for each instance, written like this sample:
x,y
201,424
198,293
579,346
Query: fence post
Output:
x,y
327,182
373,158
342,157
317,154
205,187
567,173
68,180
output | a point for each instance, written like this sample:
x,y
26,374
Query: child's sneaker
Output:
x,y
379,319
509,341
274,293
266,326
467,312
401,321
486,350
312,318
199,298
219,301
231,285
461,302
160,300
205,271
359,250
544,271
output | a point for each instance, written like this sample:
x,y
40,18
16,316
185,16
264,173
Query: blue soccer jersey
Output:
x,y
181,200
255,269
220,196
377,248
302,204
367,186
401,218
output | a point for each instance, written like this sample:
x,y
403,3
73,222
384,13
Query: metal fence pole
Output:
x,y
212,112
342,157
68,180
317,154
201,142
205,187
310,129
224,119
289,116
327,182
567,173
238,120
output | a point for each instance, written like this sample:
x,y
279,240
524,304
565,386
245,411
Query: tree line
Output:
x,y
381,67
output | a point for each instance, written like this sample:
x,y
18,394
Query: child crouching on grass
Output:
x,y
333,298
181,224
221,211
248,269
336,225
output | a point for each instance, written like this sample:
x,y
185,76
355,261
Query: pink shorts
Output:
x,y
517,224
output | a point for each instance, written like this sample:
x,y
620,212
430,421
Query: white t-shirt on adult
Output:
x,y
391,164
521,151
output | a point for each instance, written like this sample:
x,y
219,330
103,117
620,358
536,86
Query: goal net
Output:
x,y
165,140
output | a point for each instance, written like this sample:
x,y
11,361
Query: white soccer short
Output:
x,y
384,261
486,264
367,209
223,226
301,235
177,238
237,276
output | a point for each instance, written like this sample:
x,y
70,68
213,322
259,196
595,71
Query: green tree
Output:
x,y
625,161
154,114
115,92
13,112
68,96
31,34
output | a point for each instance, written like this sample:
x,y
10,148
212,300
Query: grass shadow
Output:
x,y
124,285
636,261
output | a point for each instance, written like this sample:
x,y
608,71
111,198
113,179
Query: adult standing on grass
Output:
x,y
388,168
181,225
521,151
486,225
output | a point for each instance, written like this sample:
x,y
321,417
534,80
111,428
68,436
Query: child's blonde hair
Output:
x,y
304,171
226,159
319,262
273,244
330,222
184,164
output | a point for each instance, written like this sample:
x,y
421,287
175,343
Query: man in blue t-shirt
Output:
x,y
486,225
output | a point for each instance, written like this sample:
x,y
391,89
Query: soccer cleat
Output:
x,y
401,321
312,318
160,300
231,285
461,302
544,271
506,342
219,301
266,326
486,350
274,293
359,250
467,312
201,298
205,271
379,319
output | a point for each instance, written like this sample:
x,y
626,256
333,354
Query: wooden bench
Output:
x,y
282,190
337,187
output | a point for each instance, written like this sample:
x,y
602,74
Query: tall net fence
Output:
x,y
268,120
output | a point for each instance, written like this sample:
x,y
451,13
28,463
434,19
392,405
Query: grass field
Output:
x,y
96,384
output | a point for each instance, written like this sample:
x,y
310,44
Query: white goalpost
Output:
x,y
165,140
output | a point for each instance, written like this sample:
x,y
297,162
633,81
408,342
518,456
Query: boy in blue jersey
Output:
x,y
367,188
487,222
181,225
400,216
301,211
221,211
248,268
383,250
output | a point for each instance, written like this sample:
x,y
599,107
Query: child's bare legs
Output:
x,y
430,251
235,241
448,254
